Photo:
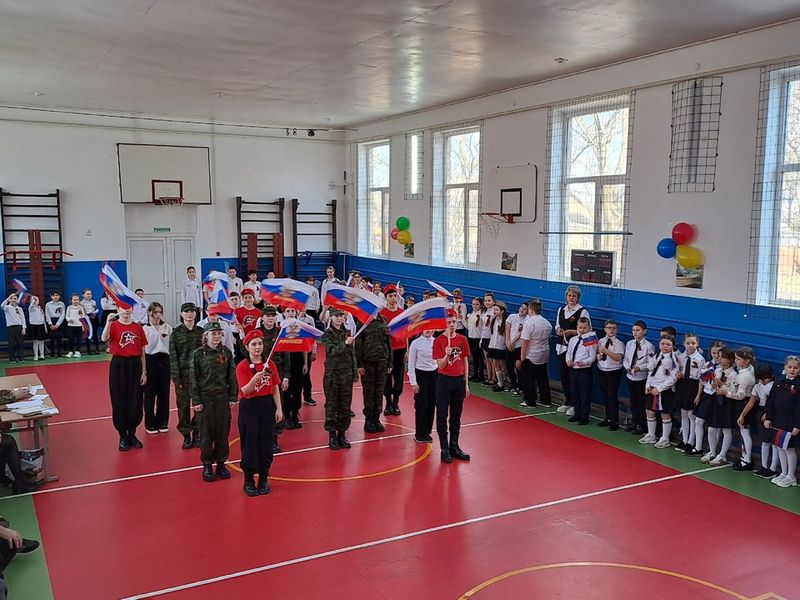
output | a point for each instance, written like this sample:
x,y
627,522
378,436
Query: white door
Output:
x,y
157,264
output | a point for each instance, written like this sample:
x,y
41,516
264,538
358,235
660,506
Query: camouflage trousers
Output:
x,y
338,386
214,423
373,382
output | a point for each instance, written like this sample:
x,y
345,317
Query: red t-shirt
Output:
x,y
248,318
127,340
245,371
397,343
455,366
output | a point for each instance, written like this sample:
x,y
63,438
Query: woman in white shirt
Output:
x,y
422,375
156,393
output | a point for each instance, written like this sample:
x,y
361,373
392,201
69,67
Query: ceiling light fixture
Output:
x,y
560,60
38,93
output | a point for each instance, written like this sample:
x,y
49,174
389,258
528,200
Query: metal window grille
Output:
x,y
415,157
774,266
456,196
693,153
587,185
373,198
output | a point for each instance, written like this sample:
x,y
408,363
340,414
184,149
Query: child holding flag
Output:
x,y
783,416
703,400
297,369
373,358
581,355
340,374
394,381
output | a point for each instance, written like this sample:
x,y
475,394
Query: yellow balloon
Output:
x,y
404,237
689,257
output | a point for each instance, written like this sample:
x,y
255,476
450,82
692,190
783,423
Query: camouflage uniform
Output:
x,y
340,373
7,397
182,344
214,385
373,354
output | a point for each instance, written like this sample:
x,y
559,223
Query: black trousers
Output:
x,y
608,382
511,367
95,337
581,382
563,375
450,393
535,377
55,338
637,397
156,392
256,426
307,381
124,384
293,395
15,342
394,380
476,359
74,335
425,401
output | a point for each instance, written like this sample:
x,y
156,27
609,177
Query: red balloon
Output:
x,y
683,234
395,231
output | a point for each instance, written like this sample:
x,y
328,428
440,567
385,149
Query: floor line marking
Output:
x,y
90,484
417,533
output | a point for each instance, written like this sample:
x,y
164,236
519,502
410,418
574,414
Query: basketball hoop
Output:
x,y
493,222
172,204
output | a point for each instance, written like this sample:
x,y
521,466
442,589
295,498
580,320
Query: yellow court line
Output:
x,y
419,459
702,582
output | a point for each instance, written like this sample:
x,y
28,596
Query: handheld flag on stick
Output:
x,y
121,294
286,292
442,291
295,336
782,438
362,304
428,314
218,301
21,290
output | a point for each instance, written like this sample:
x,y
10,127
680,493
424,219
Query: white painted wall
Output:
x,y
81,160
519,135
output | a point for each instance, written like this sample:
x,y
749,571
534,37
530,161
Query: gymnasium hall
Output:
x,y
628,169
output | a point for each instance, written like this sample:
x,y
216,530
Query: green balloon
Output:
x,y
403,223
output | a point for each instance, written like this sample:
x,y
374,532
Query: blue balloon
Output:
x,y
666,248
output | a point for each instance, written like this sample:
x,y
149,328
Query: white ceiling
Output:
x,y
332,63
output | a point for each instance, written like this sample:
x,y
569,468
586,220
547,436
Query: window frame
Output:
x,y
366,191
558,211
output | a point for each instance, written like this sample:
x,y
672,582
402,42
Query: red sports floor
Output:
x,y
539,512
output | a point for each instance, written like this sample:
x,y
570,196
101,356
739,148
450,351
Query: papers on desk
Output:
x,y
34,406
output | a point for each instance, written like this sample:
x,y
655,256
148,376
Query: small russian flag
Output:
x,y
296,336
428,314
782,438
589,339
362,304
286,292
707,374
218,301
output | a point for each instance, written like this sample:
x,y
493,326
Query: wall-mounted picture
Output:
x,y
408,250
689,278
509,262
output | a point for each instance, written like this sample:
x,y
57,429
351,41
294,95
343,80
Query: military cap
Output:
x,y
269,309
212,326
335,311
186,306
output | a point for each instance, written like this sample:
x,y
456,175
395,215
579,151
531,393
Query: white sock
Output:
x,y
651,427
686,426
666,429
713,439
727,440
765,455
791,456
747,444
776,458
784,461
698,433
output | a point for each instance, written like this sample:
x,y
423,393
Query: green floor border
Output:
x,y
744,483
27,576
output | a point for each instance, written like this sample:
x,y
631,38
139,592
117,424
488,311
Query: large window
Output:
x,y
374,168
414,162
456,197
589,149
776,268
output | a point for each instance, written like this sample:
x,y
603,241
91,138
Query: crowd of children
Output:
x,y
703,402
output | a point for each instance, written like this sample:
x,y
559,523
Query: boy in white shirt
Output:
x,y
638,352
54,313
235,284
610,352
422,375
534,355
581,354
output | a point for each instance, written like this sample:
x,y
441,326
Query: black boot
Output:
x,y
275,447
208,473
195,439
250,488
134,442
446,458
222,471
396,406
124,446
455,451
263,484
343,443
388,412
379,428
369,426
333,441
187,442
